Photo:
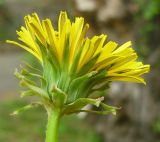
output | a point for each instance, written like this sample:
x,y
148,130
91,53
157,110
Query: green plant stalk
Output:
x,y
53,126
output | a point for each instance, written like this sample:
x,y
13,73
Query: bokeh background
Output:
x,y
121,20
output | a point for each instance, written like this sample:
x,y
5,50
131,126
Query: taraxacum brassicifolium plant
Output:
x,y
76,70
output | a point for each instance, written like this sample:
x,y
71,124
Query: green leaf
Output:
x,y
97,93
27,73
27,93
33,69
40,92
106,110
51,71
80,103
76,84
76,60
50,64
59,98
66,55
27,107
64,81
94,81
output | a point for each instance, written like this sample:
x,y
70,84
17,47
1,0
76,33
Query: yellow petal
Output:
x,y
62,20
106,51
47,25
123,61
26,48
123,47
120,77
75,35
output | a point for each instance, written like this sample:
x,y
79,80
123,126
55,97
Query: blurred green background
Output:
x,y
121,20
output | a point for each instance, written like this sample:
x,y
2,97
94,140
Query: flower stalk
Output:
x,y
53,126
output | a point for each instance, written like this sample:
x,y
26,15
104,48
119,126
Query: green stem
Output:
x,y
52,126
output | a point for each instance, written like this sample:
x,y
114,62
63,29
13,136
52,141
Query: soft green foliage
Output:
x,y
147,23
30,126
156,125
22,128
149,9
152,9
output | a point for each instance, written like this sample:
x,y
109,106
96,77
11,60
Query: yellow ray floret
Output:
x,y
76,53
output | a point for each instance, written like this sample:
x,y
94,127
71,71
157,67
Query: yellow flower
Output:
x,y
69,41
75,66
